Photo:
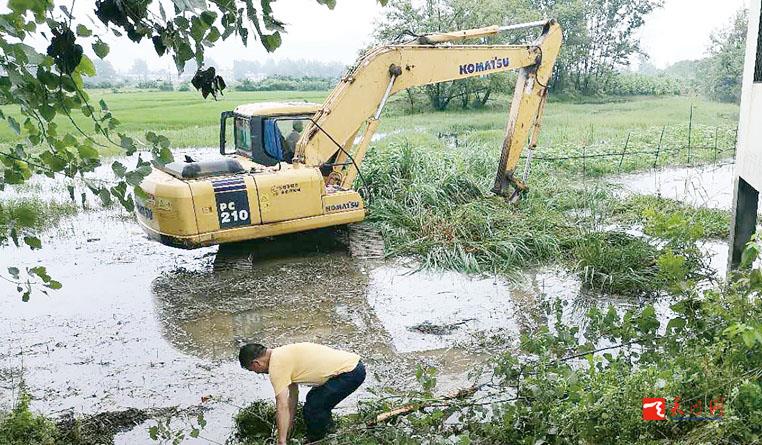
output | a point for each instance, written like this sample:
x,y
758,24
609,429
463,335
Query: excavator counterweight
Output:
x,y
270,184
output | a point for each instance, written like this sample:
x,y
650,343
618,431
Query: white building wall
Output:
x,y
749,154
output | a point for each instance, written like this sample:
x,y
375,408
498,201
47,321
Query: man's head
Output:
x,y
253,357
298,126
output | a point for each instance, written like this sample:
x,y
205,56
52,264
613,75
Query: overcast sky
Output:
x,y
680,30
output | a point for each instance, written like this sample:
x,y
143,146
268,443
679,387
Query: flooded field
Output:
x,y
141,325
704,186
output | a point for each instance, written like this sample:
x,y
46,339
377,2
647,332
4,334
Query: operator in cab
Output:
x,y
293,138
334,375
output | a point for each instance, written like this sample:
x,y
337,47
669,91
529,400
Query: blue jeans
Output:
x,y
322,399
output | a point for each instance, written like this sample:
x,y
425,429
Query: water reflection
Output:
x,y
301,287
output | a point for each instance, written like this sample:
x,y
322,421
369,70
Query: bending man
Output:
x,y
334,374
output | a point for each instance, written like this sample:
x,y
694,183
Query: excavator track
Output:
x,y
365,241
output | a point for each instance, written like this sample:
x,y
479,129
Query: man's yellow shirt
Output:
x,y
308,364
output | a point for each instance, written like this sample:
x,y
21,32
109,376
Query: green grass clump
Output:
x,y
21,426
436,204
34,213
617,263
715,223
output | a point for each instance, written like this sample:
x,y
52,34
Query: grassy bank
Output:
x,y
190,121
184,117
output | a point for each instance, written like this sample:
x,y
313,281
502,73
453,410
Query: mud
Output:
x,y
101,428
140,326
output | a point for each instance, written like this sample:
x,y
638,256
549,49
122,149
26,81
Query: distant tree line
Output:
x,y
287,83
297,68
285,74
718,76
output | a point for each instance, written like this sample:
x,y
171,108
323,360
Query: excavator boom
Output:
x,y
360,96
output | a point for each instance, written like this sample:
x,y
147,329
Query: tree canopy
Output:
x,y
600,36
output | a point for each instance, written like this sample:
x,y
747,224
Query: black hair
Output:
x,y
250,352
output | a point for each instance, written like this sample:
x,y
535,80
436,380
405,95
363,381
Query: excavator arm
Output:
x,y
354,107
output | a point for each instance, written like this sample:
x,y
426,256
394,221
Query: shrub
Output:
x,y
287,83
632,84
20,426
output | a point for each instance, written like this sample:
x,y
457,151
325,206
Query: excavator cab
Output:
x,y
264,132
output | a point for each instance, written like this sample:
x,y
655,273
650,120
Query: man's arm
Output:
x,y
282,416
293,398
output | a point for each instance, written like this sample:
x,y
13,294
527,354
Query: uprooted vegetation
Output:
x,y
255,423
22,426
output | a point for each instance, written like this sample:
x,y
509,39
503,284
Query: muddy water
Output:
x,y
141,325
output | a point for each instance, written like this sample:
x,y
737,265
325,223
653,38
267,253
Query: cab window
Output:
x,y
242,134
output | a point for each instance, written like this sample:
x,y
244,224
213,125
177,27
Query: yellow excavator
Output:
x,y
271,184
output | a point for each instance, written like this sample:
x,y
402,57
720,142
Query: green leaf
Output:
x,y
748,339
53,284
676,324
208,18
14,125
128,144
163,141
33,242
330,3
104,196
749,254
87,151
165,156
119,169
83,31
47,112
103,105
101,49
14,271
86,66
53,161
198,29
272,41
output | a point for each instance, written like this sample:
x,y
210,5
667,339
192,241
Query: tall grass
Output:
x,y
433,202
33,213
